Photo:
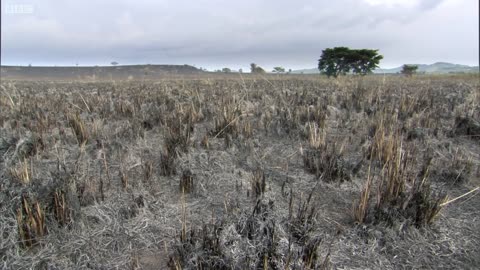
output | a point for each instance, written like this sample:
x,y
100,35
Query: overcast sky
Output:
x,y
221,33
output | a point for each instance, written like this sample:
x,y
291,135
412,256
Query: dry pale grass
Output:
x,y
230,172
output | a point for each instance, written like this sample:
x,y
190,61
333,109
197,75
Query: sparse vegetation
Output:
x,y
259,172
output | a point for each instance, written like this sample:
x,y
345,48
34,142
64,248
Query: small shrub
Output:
x,y
258,183
30,222
61,209
465,126
21,172
303,221
123,179
186,182
167,164
227,124
26,147
147,170
79,128
200,248
310,254
401,194
326,161
177,138
246,129
205,142
316,136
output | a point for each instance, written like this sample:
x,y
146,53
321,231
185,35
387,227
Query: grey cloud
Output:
x,y
429,4
217,32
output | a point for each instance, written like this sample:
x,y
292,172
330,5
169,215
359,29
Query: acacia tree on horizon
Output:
x,y
342,60
278,70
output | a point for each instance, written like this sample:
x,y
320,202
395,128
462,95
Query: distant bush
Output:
x,y
256,69
409,70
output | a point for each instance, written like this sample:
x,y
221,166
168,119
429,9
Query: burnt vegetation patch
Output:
x,y
240,172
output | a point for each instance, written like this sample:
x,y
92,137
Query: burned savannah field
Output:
x,y
231,172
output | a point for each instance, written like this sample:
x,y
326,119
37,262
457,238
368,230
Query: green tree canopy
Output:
x,y
409,70
342,60
278,69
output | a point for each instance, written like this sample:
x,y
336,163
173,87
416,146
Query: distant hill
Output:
x,y
306,71
97,72
436,68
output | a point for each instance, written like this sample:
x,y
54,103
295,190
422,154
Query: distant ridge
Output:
x,y
435,68
438,68
121,72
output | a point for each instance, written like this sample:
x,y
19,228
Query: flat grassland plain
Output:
x,y
241,172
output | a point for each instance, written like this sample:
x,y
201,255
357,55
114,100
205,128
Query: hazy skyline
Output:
x,y
215,34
